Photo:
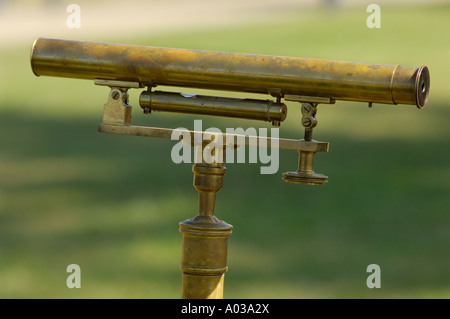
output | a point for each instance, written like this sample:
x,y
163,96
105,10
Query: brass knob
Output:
x,y
305,173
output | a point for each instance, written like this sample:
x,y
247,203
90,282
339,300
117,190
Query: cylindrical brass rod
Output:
x,y
338,80
265,110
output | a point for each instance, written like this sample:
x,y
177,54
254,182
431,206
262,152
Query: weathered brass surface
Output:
x,y
265,110
151,66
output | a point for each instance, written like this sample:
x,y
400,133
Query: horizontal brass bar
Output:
x,y
229,140
308,99
118,84
265,110
151,66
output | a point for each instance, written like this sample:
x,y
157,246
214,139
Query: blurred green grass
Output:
x,y
112,203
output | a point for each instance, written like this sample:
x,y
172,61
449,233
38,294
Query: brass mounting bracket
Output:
x,y
116,109
305,172
117,119
309,110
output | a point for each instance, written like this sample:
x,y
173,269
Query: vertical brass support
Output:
x,y
205,239
309,120
116,109
305,172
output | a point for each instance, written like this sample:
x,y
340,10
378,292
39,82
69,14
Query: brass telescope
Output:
x,y
151,66
308,81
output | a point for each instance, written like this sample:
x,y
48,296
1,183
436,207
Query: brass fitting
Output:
x,y
205,239
116,109
305,173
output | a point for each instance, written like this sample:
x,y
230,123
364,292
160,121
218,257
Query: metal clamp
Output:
x,y
305,172
116,109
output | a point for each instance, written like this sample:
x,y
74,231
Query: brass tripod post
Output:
x,y
205,237
311,82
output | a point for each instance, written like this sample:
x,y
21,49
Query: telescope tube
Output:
x,y
265,110
151,66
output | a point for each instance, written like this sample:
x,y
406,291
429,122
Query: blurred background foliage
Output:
x,y
111,204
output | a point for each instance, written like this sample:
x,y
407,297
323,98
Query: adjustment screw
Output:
x,y
306,122
115,94
307,107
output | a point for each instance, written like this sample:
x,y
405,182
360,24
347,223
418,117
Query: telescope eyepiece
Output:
x,y
422,86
